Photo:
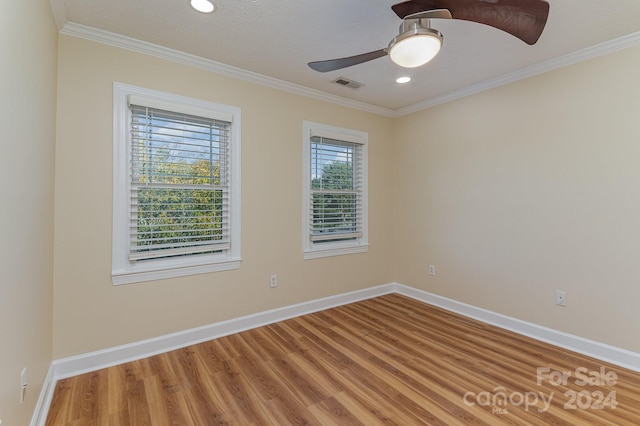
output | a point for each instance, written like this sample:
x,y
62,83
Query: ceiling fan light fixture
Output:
x,y
415,47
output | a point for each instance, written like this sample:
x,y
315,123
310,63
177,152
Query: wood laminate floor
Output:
x,y
389,360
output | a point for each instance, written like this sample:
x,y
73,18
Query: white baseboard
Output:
x,y
39,416
618,356
83,363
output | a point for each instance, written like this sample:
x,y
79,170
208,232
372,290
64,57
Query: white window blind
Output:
x,y
179,201
336,207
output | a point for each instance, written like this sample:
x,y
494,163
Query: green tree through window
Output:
x,y
179,184
334,189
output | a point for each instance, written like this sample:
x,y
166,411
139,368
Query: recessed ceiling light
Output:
x,y
204,6
402,80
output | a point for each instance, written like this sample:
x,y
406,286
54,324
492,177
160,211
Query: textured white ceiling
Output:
x,y
277,38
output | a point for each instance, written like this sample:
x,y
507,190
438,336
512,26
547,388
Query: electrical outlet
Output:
x,y
561,298
23,384
273,282
432,270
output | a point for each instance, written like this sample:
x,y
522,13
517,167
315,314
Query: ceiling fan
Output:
x,y
417,43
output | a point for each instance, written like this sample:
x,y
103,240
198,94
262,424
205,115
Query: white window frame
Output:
x,y
125,271
311,249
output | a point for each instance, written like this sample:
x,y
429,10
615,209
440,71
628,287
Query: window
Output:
x,y
176,186
335,191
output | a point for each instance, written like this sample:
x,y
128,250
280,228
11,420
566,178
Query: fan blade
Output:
x,y
431,14
336,64
524,19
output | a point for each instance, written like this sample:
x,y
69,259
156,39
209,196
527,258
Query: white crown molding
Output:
x,y
117,40
530,71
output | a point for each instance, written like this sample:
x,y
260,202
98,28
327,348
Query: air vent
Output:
x,y
347,83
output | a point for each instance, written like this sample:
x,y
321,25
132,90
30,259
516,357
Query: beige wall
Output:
x,y
89,312
512,193
28,39
525,189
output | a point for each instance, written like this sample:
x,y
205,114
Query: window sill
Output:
x,y
339,251
130,277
